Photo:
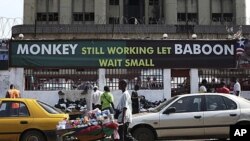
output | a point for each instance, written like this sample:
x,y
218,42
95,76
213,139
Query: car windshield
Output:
x,y
163,105
49,108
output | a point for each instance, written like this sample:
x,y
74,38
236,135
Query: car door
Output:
x,y
13,121
187,120
221,112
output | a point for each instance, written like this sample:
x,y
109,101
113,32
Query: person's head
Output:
x,y
122,84
204,82
95,88
106,89
136,87
222,84
234,80
12,86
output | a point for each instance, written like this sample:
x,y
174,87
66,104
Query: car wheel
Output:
x,y
33,136
143,134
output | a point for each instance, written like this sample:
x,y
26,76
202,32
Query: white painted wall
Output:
x,y
11,76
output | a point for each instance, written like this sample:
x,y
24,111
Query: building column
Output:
x,y
194,80
121,6
100,9
167,83
65,12
29,11
101,78
204,12
146,11
240,8
170,12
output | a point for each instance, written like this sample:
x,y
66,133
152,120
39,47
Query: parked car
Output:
x,y
191,116
24,119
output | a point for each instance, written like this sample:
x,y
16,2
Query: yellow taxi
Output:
x,y
25,119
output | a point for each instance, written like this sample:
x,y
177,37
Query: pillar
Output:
x,y
167,83
194,80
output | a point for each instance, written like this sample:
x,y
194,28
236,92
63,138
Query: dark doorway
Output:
x,y
134,11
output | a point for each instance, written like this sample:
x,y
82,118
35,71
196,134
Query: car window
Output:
x,y
188,104
163,105
230,104
215,103
48,108
13,109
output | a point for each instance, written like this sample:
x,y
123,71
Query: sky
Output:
x,y
11,13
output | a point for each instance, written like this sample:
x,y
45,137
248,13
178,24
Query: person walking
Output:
x,y
236,87
135,100
13,93
223,88
107,100
125,106
96,101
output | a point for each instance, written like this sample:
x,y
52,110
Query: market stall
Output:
x,y
94,126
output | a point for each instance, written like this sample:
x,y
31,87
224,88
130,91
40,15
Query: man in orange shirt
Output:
x,y
13,93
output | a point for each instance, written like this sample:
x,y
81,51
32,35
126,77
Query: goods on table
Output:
x,y
95,125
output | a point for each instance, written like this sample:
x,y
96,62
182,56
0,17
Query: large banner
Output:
x,y
4,54
124,53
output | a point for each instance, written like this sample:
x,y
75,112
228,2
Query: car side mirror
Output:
x,y
170,110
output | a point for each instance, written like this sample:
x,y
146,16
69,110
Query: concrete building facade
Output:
x,y
136,19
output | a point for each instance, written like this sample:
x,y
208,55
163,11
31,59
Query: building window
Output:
x,y
219,17
113,2
228,17
53,16
114,20
133,2
89,16
192,17
153,2
181,17
77,16
216,17
41,17
152,20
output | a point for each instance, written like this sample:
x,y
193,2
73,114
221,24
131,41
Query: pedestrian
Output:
x,y
13,92
96,98
107,100
135,100
223,88
124,105
236,86
203,87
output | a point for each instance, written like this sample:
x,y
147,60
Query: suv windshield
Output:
x,y
163,105
49,108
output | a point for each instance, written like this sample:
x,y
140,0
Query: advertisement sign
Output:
x,y
4,54
124,53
